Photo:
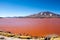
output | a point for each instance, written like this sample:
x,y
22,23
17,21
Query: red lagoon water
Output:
x,y
32,26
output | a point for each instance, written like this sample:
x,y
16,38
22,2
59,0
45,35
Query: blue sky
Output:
x,y
27,7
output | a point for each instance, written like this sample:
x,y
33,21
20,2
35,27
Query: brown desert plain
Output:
x,y
31,26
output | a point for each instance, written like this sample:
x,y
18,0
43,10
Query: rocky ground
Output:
x,y
12,38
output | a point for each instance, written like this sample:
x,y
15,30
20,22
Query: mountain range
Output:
x,y
45,14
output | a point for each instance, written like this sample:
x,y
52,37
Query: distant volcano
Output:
x,y
45,15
